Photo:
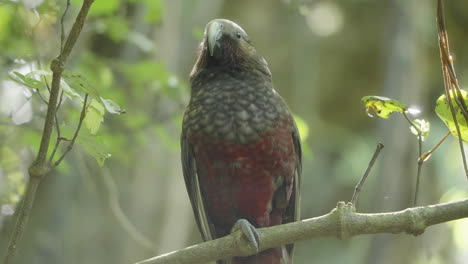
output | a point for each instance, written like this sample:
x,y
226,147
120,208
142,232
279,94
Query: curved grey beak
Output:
x,y
214,32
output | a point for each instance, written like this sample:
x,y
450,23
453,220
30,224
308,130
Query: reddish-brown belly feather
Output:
x,y
238,181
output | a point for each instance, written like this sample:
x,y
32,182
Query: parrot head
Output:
x,y
226,44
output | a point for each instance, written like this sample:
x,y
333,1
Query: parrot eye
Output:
x,y
238,35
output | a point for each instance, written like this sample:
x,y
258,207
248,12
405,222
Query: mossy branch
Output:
x,y
342,222
41,167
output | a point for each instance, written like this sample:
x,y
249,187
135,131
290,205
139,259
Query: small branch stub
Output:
x,y
360,184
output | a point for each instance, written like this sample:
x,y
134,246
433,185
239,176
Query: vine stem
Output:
x,y
451,86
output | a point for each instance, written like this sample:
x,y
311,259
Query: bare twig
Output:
x,y
75,135
60,101
40,96
359,185
45,81
426,155
57,141
57,128
40,168
62,22
342,222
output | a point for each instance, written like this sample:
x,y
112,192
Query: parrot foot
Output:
x,y
249,231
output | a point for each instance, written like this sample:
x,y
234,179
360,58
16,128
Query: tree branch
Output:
x,y
40,168
342,222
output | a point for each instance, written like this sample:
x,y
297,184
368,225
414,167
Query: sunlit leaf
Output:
x,y
112,107
423,126
94,116
39,73
443,111
383,106
26,80
302,127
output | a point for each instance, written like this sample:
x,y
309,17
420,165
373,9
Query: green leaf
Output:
x,y
443,111
112,107
423,126
383,106
69,91
94,146
80,84
26,80
94,117
302,127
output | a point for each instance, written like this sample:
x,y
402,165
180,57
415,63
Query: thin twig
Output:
x,y
42,98
60,101
360,184
46,83
426,155
75,136
418,177
57,141
62,22
420,162
57,128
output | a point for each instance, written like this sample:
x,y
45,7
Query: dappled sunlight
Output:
x,y
324,18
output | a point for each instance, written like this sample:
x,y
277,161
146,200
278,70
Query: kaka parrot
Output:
x,y
241,151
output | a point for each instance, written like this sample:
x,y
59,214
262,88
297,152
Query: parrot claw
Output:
x,y
249,231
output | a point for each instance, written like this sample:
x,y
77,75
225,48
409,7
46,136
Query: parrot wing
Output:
x,y
293,211
193,188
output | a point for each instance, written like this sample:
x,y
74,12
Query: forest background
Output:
x,y
119,196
